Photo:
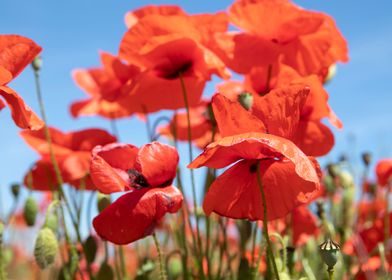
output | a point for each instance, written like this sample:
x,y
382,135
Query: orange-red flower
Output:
x,y
289,178
16,52
277,87
307,41
168,44
149,173
304,225
72,151
384,172
105,88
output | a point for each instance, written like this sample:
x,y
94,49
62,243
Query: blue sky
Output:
x,y
72,32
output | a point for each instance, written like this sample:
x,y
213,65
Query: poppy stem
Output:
x,y
185,96
270,254
162,274
57,171
331,274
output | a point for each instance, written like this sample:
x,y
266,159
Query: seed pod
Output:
x,y
30,211
105,272
46,247
329,251
103,202
15,189
51,222
37,63
90,244
246,100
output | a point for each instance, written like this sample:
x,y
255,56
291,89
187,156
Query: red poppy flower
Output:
x,y
148,172
105,87
289,177
166,43
307,41
384,171
278,113
310,134
16,52
72,151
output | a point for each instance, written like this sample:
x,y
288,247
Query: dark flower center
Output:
x,y
172,71
136,179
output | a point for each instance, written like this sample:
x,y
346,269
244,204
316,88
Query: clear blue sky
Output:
x,y
72,32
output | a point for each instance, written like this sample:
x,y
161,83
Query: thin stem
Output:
x,y
122,261
193,184
162,272
270,254
386,221
331,274
57,169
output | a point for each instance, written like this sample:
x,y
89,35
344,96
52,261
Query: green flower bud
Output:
x,y
246,100
37,63
15,189
30,211
90,245
1,230
46,247
333,170
105,272
346,179
329,251
103,201
51,222
175,268
331,73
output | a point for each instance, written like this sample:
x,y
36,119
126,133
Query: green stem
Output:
x,y
193,184
122,262
331,274
57,170
270,254
162,272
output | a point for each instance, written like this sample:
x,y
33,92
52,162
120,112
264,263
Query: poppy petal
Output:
x,y
37,141
314,138
233,119
236,193
384,172
280,109
22,115
135,214
304,225
255,146
109,166
158,163
16,52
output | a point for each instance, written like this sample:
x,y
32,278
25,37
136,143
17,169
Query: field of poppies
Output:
x,y
228,186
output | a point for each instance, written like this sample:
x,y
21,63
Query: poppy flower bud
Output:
x,y
333,170
30,211
332,70
366,158
37,63
329,251
51,222
105,272
90,245
320,209
15,189
46,247
346,179
246,100
1,231
103,202
175,268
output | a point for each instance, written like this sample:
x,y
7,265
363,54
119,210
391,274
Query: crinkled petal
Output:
x,y
22,115
134,215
